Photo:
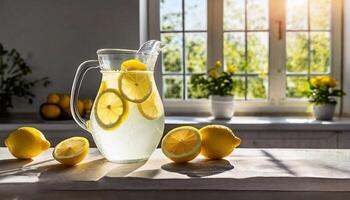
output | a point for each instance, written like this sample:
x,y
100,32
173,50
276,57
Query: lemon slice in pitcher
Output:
x,y
151,108
110,109
133,64
135,86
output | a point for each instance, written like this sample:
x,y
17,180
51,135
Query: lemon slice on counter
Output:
x,y
182,144
71,151
110,109
133,64
151,108
135,86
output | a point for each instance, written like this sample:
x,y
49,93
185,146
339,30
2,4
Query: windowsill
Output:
x,y
236,123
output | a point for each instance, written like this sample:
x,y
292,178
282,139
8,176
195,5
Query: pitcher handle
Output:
x,y
82,69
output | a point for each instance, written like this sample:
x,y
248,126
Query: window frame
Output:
x,y
276,102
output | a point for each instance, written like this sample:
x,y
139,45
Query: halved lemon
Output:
x,y
110,109
135,86
151,108
182,144
133,64
71,151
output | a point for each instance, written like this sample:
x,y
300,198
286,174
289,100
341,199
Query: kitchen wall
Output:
x,y
54,37
346,54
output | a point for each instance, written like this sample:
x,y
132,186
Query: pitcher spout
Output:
x,y
153,47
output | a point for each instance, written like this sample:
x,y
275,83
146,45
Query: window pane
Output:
x,y
196,52
320,14
258,12
172,54
239,87
170,15
297,86
320,52
258,50
297,45
297,14
172,87
257,87
234,14
234,50
193,93
195,14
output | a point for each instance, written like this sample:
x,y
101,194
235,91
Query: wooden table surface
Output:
x,y
246,174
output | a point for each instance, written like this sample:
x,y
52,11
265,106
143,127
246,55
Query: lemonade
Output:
x,y
127,118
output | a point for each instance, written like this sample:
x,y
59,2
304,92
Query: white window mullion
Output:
x,y
215,32
154,33
277,55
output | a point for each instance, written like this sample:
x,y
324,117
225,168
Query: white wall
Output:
x,y
346,75
56,36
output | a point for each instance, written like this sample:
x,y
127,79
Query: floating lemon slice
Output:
x,y
71,151
133,64
110,109
135,86
182,144
151,108
103,86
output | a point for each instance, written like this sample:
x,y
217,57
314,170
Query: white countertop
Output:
x,y
287,170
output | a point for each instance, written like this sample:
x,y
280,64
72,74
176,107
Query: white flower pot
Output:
x,y
222,107
324,112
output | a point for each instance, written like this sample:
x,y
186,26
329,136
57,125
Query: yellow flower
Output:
x,y
231,69
316,81
218,64
213,73
324,81
328,81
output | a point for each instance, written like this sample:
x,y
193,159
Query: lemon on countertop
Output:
x,y
71,151
64,102
53,98
26,143
182,144
218,141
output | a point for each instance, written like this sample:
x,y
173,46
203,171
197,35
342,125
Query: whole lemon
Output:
x,y
218,141
80,106
53,98
64,102
26,143
50,111
87,104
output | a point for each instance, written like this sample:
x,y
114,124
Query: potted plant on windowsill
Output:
x,y
13,80
323,96
218,86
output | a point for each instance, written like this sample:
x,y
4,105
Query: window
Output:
x,y
308,43
277,45
183,28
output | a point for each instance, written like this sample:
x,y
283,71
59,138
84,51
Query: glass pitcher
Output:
x,y
127,117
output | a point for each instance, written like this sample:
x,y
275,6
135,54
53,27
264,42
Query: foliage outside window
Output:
x,y
246,45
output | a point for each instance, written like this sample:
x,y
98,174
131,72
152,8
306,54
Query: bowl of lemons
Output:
x,y
57,107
